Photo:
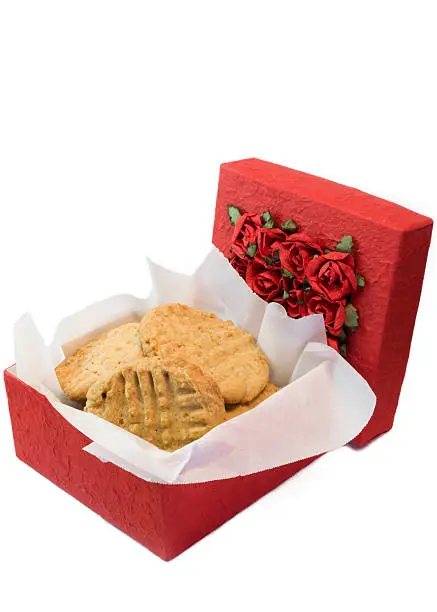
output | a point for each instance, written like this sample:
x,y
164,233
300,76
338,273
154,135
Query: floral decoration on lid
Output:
x,y
285,265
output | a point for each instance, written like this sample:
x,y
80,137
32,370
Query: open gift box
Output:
x,y
390,246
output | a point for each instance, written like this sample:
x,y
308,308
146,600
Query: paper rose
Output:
x,y
296,252
332,275
265,282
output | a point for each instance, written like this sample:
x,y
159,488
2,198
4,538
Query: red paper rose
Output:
x,y
240,265
332,275
245,233
267,239
295,303
296,252
334,313
265,282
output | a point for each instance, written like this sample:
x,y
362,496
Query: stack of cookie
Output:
x,y
170,378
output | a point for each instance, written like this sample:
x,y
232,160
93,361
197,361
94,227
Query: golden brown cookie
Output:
x,y
233,410
101,357
222,350
168,404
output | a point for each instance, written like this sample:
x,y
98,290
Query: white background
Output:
x,y
114,118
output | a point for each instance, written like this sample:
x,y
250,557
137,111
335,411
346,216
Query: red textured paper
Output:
x,y
167,519
390,244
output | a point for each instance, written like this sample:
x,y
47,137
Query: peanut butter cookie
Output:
x,y
101,357
168,404
223,351
233,410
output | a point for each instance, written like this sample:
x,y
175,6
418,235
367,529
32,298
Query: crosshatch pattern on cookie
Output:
x,y
169,405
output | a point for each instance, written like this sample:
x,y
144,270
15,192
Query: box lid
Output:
x,y
354,257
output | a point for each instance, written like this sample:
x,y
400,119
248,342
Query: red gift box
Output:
x,y
392,244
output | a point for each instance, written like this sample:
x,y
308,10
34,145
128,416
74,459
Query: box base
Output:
x,y
167,519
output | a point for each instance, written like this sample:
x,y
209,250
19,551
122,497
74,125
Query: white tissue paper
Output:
x,y
323,404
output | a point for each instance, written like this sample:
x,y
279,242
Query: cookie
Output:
x,y
168,404
223,351
233,410
101,357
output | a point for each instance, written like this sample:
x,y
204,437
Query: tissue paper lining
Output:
x,y
324,402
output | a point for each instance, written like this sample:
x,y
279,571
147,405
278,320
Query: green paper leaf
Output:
x,y
345,245
342,338
352,318
286,295
327,251
289,226
343,350
360,280
269,224
287,274
251,249
272,261
233,214
300,302
266,216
